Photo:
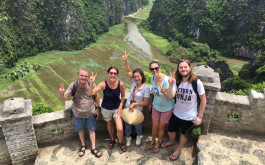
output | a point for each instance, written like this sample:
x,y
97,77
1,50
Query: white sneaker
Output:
x,y
128,141
138,140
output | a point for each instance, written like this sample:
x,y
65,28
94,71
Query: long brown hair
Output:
x,y
178,76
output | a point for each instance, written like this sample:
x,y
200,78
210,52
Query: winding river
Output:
x,y
133,35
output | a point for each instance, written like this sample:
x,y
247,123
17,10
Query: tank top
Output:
x,y
111,97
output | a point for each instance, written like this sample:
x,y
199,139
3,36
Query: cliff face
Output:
x,y
234,27
41,25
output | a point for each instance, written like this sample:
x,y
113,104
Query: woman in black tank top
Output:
x,y
111,104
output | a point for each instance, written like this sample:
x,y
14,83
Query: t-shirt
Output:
x,y
160,102
83,104
186,100
139,95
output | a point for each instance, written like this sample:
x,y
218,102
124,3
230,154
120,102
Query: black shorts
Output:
x,y
176,123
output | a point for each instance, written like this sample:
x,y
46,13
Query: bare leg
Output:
x,y
82,139
119,127
92,136
155,127
182,143
110,129
171,142
161,132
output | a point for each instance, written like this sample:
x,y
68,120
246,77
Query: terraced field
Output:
x,y
62,67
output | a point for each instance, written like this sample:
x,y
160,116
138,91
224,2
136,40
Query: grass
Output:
x,y
144,12
161,43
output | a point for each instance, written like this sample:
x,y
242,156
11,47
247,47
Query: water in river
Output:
x,y
133,35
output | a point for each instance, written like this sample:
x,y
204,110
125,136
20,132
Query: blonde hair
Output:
x,y
154,61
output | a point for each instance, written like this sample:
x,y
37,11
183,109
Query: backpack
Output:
x,y
194,86
75,88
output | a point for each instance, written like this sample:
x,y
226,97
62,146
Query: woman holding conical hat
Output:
x,y
139,97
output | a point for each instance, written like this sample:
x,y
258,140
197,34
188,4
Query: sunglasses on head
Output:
x,y
156,68
111,73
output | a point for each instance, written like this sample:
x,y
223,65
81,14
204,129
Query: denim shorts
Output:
x,y
91,123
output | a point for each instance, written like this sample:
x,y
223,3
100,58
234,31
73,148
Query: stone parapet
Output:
x,y
17,127
237,113
53,127
211,83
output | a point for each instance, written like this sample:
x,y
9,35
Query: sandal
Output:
x,y
150,146
174,157
96,152
157,149
82,151
111,144
123,147
165,145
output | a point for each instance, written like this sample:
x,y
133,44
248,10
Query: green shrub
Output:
x,y
41,108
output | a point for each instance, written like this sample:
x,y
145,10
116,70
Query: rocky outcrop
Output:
x,y
232,27
222,68
245,51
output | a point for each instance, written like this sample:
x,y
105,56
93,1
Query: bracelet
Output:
x,y
98,108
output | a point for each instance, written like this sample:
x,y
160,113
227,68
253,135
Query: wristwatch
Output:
x,y
98,108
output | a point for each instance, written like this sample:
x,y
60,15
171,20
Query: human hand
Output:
x,y
171,78
162,89
93,78
198,121
96,112
61,89
125,56
150,107
131,107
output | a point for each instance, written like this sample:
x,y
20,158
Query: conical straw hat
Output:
x,y
132,117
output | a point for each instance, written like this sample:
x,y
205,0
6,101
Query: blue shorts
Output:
x,y
91,123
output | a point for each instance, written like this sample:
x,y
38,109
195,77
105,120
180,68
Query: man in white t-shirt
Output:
x,y
185,113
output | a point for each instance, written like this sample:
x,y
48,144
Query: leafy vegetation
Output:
x,y
41,108
223,25
250,77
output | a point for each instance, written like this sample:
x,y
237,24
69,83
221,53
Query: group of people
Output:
x,y
173,102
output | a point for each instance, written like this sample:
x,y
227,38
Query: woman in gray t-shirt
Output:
x,y
139,97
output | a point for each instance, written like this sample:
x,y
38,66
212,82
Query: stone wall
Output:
x,y
249,112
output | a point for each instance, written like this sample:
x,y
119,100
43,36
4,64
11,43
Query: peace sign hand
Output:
x,y
125,56
171,78
93,78
162,89
61,89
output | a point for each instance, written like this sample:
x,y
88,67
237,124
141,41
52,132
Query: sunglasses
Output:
x,y
156,68
113,73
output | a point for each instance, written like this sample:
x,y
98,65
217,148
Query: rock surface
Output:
x,y
214,148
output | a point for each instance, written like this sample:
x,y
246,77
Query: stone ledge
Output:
x,y
48,117
232,99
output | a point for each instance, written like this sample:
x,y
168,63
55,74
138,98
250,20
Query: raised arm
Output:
x,y
100,86
127,67
63,95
